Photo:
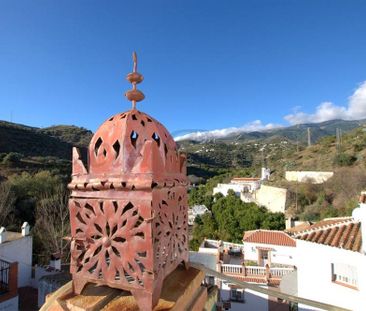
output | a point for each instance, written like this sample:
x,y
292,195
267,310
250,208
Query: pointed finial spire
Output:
x,y
134,77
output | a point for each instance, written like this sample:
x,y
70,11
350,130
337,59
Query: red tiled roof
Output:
x,y
269,237
320,224
246,179
345,234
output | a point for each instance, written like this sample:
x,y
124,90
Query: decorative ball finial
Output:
x,y
134,77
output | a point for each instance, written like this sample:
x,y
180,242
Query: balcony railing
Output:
x,y
8,280
280,272
4,276
231,269
254,271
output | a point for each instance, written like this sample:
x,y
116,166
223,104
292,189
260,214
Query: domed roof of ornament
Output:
x,y
122,137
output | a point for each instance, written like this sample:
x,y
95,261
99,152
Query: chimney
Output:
x,y
3,235
25,229
265,173
359,213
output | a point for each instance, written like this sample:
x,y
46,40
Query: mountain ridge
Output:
x,y
56,141
295,133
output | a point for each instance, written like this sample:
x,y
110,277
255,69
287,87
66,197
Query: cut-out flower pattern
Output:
x,y
110,241
171,236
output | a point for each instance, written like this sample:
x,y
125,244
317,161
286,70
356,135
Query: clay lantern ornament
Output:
x,y
128,207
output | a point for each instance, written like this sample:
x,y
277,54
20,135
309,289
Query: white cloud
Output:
x,y
256,125
355,110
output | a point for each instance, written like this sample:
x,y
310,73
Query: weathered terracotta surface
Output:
x,y
128,206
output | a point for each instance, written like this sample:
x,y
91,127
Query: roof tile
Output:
x,y
269,237
345,234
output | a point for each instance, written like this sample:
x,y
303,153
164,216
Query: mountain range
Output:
x,y
294,133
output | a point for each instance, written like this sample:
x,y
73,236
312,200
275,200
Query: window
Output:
x,y
344,274
237,295
265,255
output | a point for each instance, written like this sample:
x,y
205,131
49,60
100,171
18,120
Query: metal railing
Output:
x,y
4,276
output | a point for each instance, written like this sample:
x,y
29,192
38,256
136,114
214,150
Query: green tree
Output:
x,y
6,205
12,158
52,222
28,189
274,221
231,217
205,227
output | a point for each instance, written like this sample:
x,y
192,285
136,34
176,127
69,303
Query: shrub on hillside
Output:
x,y
344,159
2,156
358,147
12,158
327,140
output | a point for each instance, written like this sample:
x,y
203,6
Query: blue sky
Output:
x,y
207,64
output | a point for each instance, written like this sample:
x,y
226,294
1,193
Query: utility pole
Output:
x,y
309,137
296,207
338,139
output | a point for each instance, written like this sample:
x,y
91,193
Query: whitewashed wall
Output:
x,y
273,198
315,275
284,255
308,176
10,304
224,188
19,250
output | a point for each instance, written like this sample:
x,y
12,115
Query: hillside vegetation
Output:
x,y
277,149
336,197
31,149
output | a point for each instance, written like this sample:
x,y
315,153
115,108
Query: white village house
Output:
x,y
230,259
331,261
15,265
16,268
238,185
194,211
269,247
253,190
